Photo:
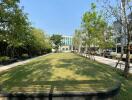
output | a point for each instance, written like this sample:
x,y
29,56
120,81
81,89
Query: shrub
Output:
x,y
25,56
4,58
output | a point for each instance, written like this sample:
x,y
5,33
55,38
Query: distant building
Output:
x,y
67,45
121,39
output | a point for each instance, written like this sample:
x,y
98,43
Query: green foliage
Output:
x,y
94,25
39,41
76,38
95,31
14,25
56,40
93,6
16,34
4,58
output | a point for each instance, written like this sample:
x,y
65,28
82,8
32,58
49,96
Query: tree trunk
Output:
x,y
119,60
122,51
86,48
127,63
79,48
127,33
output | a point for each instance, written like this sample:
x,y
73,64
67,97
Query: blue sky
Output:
x,y
56,16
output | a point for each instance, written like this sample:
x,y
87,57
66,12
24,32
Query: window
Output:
x,y
66,49
118,40
118,49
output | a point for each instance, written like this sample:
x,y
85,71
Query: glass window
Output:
x,y
118,49
66,48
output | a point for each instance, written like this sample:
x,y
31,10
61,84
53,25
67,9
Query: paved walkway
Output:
x,y
3,68
111,62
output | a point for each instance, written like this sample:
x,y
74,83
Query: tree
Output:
x,y
105,39
56,40
38,43
14,26
95,30
77,40
16,34
120,13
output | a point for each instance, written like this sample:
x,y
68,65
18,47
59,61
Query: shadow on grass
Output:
x,y
38,70
41,70
85,67
36,76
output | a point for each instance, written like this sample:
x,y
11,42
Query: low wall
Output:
x,y
100,95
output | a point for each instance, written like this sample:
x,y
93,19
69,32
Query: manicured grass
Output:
x,y
64,72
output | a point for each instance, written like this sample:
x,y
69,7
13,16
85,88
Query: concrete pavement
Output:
x,y
111,62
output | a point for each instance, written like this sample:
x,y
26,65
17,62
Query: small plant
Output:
x,y
24,56
4,58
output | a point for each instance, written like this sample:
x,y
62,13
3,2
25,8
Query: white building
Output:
x,y
67,45
121,39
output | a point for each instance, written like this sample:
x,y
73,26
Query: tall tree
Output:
x,y
14,25
16,34
38,42
95,28
77,40
120,13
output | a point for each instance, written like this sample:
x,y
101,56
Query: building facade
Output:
x,y
67,45
121,39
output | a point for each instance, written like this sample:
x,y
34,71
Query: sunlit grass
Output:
x,y
63,72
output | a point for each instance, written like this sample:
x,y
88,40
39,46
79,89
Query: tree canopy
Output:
x,y
94,30
56,41
16,33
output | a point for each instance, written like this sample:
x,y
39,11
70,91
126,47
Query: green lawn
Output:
x,y
64,72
